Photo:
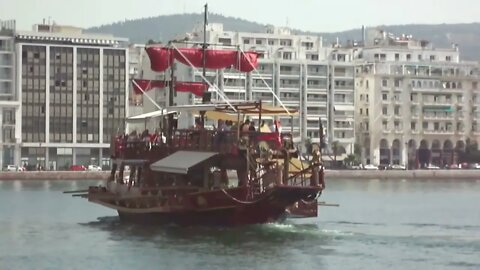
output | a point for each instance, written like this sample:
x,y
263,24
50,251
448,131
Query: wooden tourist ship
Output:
x,y
212,177
227,176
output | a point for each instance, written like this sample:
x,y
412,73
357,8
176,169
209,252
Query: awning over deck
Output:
x,y
181,161
146,116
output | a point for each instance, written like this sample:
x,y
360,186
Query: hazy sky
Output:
x,y
313,15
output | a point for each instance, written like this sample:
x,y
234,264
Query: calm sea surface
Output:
x,y
379,225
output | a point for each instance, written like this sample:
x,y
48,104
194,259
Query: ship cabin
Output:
x,y
232,154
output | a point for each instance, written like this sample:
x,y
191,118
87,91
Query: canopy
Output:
x,y
213,115
162,58
247,108
146,116
181,161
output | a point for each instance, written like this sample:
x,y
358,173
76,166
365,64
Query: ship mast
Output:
x,y
204,46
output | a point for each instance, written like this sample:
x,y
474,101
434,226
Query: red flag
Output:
x,y
145,85
196,88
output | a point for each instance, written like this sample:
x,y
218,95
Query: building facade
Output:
x,y
9,102
72,88
415,105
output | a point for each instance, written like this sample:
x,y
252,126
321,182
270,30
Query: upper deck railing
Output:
x,y
223,142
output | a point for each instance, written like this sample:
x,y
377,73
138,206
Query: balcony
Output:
x,y
290,86
438,132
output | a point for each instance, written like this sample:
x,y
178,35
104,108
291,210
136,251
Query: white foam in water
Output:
x,y
336,232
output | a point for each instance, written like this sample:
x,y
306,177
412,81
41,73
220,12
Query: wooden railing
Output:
x,y
225,142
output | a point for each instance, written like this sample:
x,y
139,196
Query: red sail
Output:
x,y
186,55
247,61
161,58
196,88
145,85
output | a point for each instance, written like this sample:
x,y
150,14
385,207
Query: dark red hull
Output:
x,y
229,211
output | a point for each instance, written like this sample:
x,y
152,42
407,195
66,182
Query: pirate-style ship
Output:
x,y
228,176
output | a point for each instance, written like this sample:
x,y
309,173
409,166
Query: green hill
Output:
x,y
164,28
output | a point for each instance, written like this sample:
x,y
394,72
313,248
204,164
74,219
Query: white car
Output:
x,y
94,168
370,167
12,168
397,167
432,167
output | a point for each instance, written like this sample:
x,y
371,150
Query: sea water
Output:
x,y
380,224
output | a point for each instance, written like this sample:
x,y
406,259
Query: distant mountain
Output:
x,y
165,28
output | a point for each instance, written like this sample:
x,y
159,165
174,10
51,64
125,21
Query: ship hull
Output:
x,y
221,208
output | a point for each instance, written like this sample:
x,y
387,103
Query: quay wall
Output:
x,y
330,175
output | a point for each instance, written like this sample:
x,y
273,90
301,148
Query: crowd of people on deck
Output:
x,y
119,143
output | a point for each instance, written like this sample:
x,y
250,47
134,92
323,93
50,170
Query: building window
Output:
x,y
384,110
384,82
258,42
246,41
413,125
419,57
474,85
384,96
397,57
425,125
385,125
271,42
409,57
397,110
448,58
397,125
287,55
397,82
432,57
361,111
366,112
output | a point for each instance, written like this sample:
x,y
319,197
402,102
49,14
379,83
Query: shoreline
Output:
x,y
329,175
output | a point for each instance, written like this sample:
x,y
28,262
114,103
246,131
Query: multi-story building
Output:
x,y
9,103
300,71
73,92
415,104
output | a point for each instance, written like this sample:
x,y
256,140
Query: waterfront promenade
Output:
x,y
329,175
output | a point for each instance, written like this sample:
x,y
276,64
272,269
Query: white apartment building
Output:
x,y
9,103
415,104
300,70
72,91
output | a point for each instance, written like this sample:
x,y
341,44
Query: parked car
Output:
x,y
432,167
453,167
13,168
77,168
94,168
397,167
474,166
355,167
370,167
